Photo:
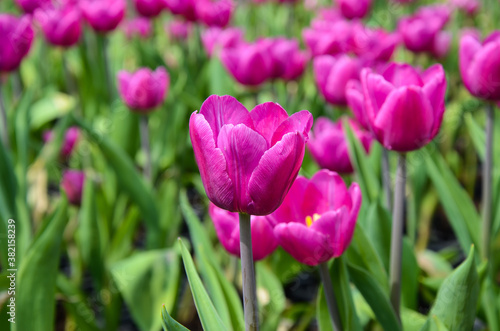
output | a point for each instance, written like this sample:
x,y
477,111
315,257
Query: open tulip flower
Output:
x,y
480,65
61,26
228,231
317,218
404,108
103,15
16,36
247,160
328,144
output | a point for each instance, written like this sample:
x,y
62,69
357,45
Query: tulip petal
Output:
x,y
469,46
405,121
264,241
211,162
339,228
304,244
221,110
435,90
290,210
326,191
242,148
275,173
375,90
299,122
402,74
486,71
267,117
354,96
226,226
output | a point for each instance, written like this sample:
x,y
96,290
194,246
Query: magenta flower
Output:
x,y
480,65
373,44
325,37
422,32
227,228
470,7
139,26
404,108
70,140
317,218
247,160
354,8
149,8
16,36
29,6
250,64
184,8
179,30
143,90
72,184
103,15
356,101
214,39
332,74
328,144
288,61
215,13
61,26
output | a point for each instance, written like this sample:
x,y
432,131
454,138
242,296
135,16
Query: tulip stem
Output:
x,y
397,234
144,132
248,275
107,68
3,114
386,177
330,296
487,179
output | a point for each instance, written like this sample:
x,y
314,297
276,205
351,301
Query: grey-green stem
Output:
x,y
487,179
144,132
397,235
330,296
386,177
248,275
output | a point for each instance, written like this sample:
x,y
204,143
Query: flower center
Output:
x,y
310,220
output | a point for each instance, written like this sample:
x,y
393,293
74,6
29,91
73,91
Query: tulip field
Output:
x,y
302,165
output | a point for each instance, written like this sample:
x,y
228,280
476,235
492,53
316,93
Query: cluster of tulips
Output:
x,y
249,160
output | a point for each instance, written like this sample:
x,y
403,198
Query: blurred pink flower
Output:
x,y
72,184
103,15
149,8
216,39
29,6
16,37
139,26
354,8
179,30
62,26
70,140
184,8
215,13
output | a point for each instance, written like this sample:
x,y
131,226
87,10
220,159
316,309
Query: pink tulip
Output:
x,y
332,74
250,64
288,61
61,26
149,8
143,90
373,44
354,8
325,37
16,36
216,39
72,184
328,144
247,160
317,218
103,15
184,8
356,101
70,140
139,26
179,30
29,6
480,65
422,32
404,108
470,7
227,228
215,13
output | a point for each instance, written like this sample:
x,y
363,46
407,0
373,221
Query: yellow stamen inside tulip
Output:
x,y
310,220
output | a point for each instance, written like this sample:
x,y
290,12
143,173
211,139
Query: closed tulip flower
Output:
x,y
247,160
139,26
480,65
227,228
317,219
215,13
16,36
250,64
72,184
354,8
332,74
328,144
179,30
373,44
325,37
214,39
404,108
70,140
184,8
103,15
356,101
29,6
470,7
143,90
288,61
149,8
61,26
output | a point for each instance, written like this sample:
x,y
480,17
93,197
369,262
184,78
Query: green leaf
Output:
x,y
409,277
36,293
457,298
411,320
375,296
210,319
51,107
476,134
169,324
146,280
435,324
270,289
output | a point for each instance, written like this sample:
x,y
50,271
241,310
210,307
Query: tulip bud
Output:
x,y
215,13
149,8
354,8
15,41
184,8
139,26
72,184
70,139
61,26
103,15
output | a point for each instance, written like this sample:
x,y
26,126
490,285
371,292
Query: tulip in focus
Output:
x,y
317,219
328,144
72,184
215,39
143,90
16,36
332,74
404,108
149,8
103,15
354,8
227,228
61,26
480,65
247,160
70,140
29,6
215,13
